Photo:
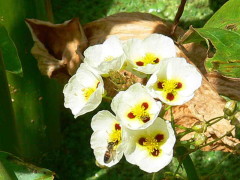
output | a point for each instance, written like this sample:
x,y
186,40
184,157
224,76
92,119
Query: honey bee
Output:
x,y
108,156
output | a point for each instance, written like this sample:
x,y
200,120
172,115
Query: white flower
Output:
x,y
145,55
83,92
105,57
175,81
135,108
151,149
106,141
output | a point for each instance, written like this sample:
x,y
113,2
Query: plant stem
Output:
x,y
215,119
209,124
178,15
153,176
172,121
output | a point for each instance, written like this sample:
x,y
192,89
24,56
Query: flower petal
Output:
x,y
138,149
83,92
135,108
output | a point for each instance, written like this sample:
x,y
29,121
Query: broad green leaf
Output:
x,y
227,17
9,52
17,169
222,30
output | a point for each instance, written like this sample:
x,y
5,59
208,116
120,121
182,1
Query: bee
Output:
x,y
108,156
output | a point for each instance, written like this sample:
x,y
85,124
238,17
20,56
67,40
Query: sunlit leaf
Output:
x,y
228,17
222,30
23,171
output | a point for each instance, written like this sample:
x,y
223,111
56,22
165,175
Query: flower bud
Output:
x,y
230,108
199,127
199,139
235,119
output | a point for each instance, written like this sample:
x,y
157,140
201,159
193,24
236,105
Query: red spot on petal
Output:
x,y
145,119
159,137
117,127
155,152
131,115
140,63
179,85
156,60
141,140
170,96
160,85
145,105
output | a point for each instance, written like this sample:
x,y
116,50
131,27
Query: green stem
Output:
x,y
209,124
153,176
107,98
172,121
215,119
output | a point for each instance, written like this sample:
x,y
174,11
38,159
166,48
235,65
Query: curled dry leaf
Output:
x,y
205,105
58,47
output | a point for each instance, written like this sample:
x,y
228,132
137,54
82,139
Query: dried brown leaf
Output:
x,y
57,47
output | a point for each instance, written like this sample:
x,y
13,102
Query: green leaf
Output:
x,y
222,30
9,52
226,60
17,169
185,159
227,17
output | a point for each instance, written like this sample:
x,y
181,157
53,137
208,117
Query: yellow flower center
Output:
x,y
140,112
87,92
169,87
109,58
151,144
149,58
115,136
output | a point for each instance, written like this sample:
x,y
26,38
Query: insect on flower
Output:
x,y
109,154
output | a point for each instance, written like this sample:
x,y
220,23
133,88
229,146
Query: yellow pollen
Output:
x,y
151,144
149,58
109,58
115,136
87,92
169,86
140,112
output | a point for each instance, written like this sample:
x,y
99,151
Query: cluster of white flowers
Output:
x,y
135,130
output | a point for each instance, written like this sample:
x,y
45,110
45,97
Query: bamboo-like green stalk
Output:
x,y
8,141
35,99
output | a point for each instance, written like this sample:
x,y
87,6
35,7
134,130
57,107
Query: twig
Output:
x,y
178,15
